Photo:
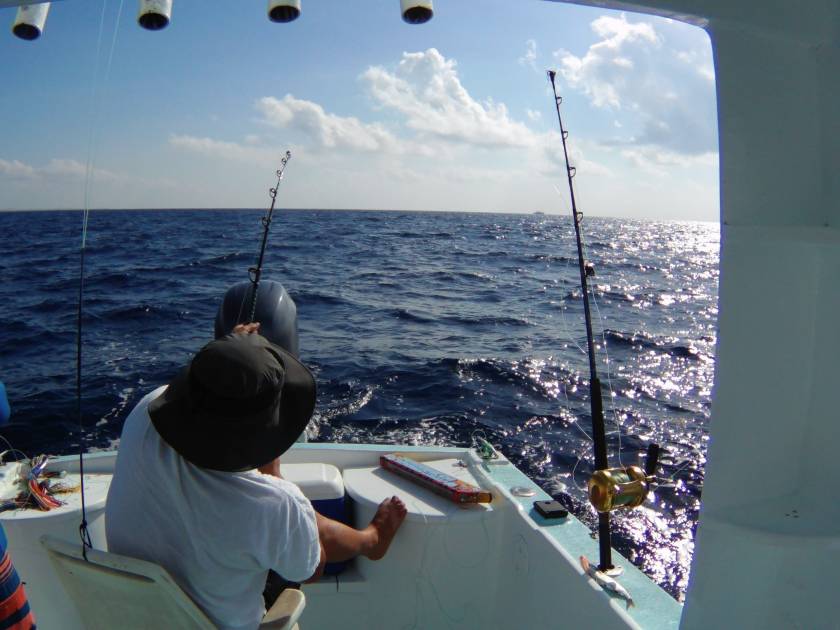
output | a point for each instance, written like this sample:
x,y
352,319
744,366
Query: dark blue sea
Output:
x,y
421,328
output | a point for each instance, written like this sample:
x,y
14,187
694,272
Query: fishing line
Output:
x,y
11,449
662,480
580,457
421,577
574,342
84,534
609,377
563,305
590,448
607,361
451,556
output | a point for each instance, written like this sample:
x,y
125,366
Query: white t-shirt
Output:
x,y
216,533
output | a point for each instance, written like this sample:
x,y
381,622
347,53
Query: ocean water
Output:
x,y
421,328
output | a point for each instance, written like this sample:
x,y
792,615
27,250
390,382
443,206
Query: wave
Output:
x,y
221,259
405,314
121,314
315,297
641,340
487,320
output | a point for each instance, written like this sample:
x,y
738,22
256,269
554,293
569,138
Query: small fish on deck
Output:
x,y
605,581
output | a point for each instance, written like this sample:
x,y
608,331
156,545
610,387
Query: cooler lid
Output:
x,y
318,482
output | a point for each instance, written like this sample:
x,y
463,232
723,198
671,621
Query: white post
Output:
x,y
768,540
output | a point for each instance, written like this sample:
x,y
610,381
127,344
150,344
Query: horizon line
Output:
x,y
257,209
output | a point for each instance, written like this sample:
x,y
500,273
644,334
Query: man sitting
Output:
x,y
197,487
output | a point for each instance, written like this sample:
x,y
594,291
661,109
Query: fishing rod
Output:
x,y
609,488
595,398
255,273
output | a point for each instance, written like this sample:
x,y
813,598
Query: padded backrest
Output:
x,y
113,591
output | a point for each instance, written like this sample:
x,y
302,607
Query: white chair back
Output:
x,y
114,591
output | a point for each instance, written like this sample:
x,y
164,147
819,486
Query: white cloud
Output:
x,y
426,90
64,183
16,169
659,162
700,61
431,115
601,72
329,131
72,168
554,162
424,111
220,148
56,167
530,56
640,71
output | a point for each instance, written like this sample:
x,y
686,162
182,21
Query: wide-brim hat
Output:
x,y
240,403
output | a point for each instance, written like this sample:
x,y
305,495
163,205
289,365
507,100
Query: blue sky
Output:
x,y
452,115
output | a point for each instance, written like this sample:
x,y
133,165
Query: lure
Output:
x,y
485,449
40,496
605,581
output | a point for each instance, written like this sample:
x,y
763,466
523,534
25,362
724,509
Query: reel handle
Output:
x,y
652,459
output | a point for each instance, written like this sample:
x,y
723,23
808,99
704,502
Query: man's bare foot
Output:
x,y
384,526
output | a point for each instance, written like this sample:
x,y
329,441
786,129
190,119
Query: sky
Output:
x,y
455,114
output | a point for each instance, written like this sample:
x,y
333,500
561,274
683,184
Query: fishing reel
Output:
x,y
626,487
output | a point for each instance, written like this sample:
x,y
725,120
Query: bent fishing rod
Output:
x,y
255,273
609,488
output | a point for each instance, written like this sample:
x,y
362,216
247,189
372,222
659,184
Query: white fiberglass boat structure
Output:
x,y
769,530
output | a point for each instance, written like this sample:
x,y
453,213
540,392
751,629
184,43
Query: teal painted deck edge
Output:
x,y
654,608
383,448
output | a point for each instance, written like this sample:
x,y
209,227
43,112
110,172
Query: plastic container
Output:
x,y
322,484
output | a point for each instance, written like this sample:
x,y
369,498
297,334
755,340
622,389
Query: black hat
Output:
x,y
240,403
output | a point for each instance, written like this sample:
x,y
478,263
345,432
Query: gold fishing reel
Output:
x,y
625,487
614,488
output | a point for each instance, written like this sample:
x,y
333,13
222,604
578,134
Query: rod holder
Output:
x,y
283,11
30,19
652,459
154,15
416,11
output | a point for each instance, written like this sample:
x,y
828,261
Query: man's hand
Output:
x,y
248,329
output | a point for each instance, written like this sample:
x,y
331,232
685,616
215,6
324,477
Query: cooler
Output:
x,y
323,486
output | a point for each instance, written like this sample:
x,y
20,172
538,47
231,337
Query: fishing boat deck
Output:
x,y
496,566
